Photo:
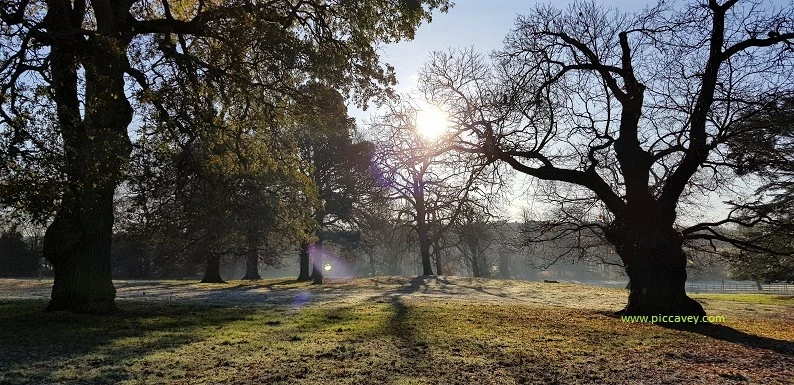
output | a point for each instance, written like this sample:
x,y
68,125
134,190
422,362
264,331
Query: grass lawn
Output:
x,y
396,338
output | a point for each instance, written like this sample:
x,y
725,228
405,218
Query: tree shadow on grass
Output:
x,y
56,347
729,334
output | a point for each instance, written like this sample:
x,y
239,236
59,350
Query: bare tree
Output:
x,y
627,115
476,233
433,186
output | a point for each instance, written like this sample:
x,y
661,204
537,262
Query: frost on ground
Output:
x,y
378,289
286,292
386,330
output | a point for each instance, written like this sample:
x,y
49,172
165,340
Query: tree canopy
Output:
x,y
75,74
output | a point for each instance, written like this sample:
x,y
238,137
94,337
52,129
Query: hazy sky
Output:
x,y
483,24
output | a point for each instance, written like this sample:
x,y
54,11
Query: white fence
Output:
x,y
731,287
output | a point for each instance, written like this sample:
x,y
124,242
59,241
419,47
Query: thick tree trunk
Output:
x,y
304,263
252,266
424,252
213,272
422,230
656,266
77,244
96,149
475,265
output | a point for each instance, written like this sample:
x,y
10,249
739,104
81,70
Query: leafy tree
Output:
x,y
64,66
774,265
16,257
627,116
226,190
765,149
338,166
431,187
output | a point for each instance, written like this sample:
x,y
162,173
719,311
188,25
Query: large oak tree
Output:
x,y
631,112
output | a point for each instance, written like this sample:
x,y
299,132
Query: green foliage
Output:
x,y
226,191
185,58
764,148
774,263
339,167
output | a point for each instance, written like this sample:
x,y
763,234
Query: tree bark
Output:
x,y
96,149
424,251
475,264
439,262
304,263
317,262
213,272
77,245
656,266
504,266
252,266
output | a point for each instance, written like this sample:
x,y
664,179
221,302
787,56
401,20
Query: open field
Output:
x,y
386,331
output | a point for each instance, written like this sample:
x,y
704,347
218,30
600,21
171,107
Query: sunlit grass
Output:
x,y
767,299
391,339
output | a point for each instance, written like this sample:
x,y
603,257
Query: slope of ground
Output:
x,y
389,330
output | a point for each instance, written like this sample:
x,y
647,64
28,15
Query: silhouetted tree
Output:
x,y
765,149
476,234
338,166
630,113
431,187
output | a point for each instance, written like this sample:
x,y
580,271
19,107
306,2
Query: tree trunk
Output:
x,y
424,251
475,264
656,266
304,263
422,230
317,262
439,262
96,149
213,272
77,245
504,266
252,266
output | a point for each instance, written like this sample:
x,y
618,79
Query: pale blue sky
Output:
x,y
483,24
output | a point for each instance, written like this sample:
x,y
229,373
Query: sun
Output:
x,y
431,122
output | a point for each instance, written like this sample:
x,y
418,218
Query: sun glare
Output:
x,y
431,122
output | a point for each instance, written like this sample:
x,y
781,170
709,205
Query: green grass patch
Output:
x,y
387,340
762,299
